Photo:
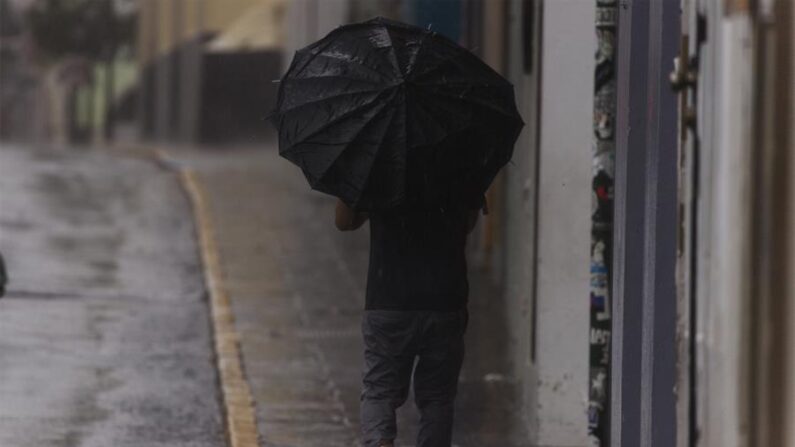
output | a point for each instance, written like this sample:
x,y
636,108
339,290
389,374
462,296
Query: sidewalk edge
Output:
x,y
238,403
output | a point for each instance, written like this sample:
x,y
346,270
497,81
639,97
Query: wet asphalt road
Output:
x,y
104,334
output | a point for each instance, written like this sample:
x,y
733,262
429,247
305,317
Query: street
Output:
x,y
105,336
104,333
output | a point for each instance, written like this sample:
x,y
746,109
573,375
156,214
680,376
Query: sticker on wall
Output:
x,y
603,151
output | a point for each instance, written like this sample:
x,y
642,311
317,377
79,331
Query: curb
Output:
x,y
238,403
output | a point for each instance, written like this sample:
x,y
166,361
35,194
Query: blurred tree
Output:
x,y
70,27
93,29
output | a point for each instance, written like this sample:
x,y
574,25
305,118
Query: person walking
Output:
x,y
415,309
408,130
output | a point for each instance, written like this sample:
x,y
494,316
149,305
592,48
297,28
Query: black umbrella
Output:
x,y
382,113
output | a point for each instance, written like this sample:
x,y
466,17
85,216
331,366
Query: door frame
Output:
x,y
643,369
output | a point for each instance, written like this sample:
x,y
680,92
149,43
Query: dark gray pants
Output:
x,y
392,340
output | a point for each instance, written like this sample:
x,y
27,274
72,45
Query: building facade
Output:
x,y
189,50
641,235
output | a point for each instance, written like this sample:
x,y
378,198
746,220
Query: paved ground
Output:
x,y
297,287
104,338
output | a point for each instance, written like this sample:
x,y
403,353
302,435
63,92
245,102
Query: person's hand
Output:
x,y
347,219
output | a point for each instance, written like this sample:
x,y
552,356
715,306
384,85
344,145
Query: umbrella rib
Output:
x,y
313,78
393,53
287,80
327,98
476,102
333,121
431,116
459,54
349,61
380,143
355,137
378,148
313,54
500,83
438,66
416,56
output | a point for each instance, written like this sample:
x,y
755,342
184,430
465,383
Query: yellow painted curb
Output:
x,y
241,421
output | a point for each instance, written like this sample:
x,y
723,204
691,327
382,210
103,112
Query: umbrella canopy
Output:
x,y
381,113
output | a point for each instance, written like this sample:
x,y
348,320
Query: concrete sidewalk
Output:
x,y
297,291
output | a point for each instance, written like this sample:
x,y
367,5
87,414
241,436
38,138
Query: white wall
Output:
x,y
555,386
564,224
725,229
518,242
